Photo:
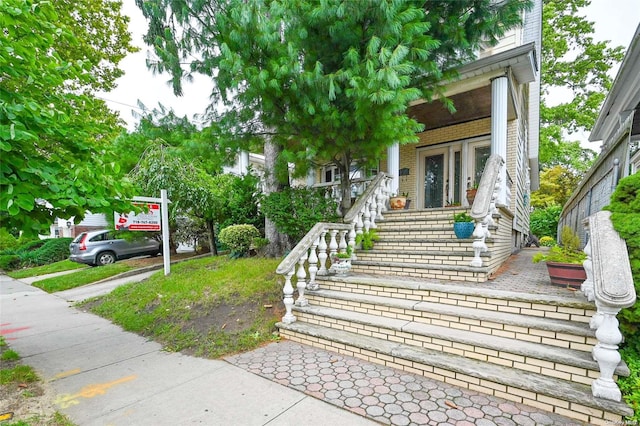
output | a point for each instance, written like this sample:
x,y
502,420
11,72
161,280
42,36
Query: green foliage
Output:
x,y
625,208
630,386
332,85
7,241
462,217
296,210
240,204
35,252
9,262
18,374
238,238
547,241
367,239
569,252
53,132
544,221
556,186
571,59
9,355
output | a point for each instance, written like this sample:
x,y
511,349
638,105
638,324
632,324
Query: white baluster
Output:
x,y
380,203
288,317
302,281
359,223
322,255
333,244
366,217
343,242
313,266
352,239
607,355
587,286
373,207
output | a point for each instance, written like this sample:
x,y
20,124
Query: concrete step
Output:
x,y
573,400
572,307
442,214
432,257
402,243
422,270
568,364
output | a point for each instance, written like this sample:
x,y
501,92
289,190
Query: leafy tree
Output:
x,y
572,60
556,186
53,133
323,82
544,221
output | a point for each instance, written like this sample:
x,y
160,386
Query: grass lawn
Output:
x,y
82,277
208,307
63,265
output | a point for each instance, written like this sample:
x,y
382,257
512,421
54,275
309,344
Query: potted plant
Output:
x,y
367,238
564,263
463,225
398,202
471,193
341,262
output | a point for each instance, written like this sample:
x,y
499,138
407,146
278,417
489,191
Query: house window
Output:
x,y
330,174
481,155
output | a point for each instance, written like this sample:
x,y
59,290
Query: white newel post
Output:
x,y
613,290
499,102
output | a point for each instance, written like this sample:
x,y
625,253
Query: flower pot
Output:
x,y
397,203
341,266
463,229
471,195
566,274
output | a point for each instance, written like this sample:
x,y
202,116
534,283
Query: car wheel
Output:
x,y
159,252
105,258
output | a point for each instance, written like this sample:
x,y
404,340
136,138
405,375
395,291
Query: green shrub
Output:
x,y
294,211
545,221
547,241
9,262
242,202
53,250
238,238
367,238
630,386
7,241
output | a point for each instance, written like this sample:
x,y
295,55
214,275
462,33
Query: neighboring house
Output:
x,y
618,127
497,101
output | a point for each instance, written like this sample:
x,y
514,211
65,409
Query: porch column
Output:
x,y
393,166
243,162
499,93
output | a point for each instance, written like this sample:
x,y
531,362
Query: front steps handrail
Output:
x,y
312,252
484,206
610,284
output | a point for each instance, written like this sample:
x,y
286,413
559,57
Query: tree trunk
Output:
x,y
211,233
345,184
278,243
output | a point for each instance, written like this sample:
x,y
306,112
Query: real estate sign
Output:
x,y
145,221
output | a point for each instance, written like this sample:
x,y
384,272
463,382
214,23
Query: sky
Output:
x,y
615,20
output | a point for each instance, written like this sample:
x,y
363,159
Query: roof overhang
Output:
x,y
521,60
623,98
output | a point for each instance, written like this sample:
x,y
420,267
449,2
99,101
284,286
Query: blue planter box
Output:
x,y
463,229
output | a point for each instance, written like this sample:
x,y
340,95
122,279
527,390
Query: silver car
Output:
x,y
103,248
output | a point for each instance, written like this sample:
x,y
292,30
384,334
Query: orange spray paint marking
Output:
x,y
89,391
66,374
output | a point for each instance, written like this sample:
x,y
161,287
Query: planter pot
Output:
x,y
341,266
463,229
471,195
566,274
397,203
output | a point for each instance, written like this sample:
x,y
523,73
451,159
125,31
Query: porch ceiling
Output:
x,y
472,105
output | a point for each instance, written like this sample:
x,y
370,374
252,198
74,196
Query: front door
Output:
x,y
434,177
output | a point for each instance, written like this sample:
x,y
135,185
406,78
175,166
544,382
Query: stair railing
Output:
x,y
308,258
484,206
610,284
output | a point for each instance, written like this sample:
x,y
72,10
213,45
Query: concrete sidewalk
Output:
x,y
102,375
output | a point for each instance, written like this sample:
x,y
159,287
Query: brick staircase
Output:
x,y
414,303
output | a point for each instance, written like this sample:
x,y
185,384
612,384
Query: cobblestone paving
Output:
x,y
384,394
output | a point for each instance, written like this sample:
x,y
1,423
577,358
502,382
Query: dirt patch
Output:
x,y
229,318
29,401
157,260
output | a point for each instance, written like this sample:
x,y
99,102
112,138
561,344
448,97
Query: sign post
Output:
x,y
150,225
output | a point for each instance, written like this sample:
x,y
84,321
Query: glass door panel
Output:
x,y
434,181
